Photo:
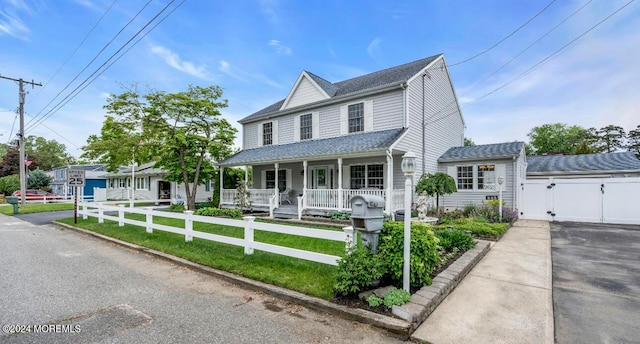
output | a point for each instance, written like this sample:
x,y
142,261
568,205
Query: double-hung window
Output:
x,y
267,133
486,177
367,176
271,179
306,127
465,178
356,117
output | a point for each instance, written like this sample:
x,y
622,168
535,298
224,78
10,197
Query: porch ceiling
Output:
x,y
331,148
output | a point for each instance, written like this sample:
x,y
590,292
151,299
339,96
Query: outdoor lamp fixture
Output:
x,y
500,182
408,166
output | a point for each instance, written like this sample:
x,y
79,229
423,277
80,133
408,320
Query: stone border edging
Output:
x,y
425,301
396,326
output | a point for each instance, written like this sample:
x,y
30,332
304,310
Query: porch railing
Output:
x,y
259,197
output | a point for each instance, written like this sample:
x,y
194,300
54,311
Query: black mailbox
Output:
x,y
367,216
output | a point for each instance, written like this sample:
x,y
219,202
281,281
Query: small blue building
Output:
x,y
94,178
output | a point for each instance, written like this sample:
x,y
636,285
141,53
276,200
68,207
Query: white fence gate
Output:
x,y
605,200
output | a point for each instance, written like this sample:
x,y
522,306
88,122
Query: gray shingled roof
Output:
x,y
317,149
490,151
144,169
596,163
390,76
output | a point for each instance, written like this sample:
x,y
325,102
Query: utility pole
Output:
x,y
21,96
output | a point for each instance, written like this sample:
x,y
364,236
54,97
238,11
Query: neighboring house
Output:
x,y
326,142
604,165
94,178
476,170
149,185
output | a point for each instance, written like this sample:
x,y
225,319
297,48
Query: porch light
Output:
x,y
408,164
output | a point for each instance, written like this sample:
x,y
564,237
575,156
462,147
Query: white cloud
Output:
x,y
10,21
280,49
269,9
174,60
239,74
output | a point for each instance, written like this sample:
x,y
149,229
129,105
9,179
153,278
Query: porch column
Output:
x,y
389,198
277,166
246,176
304,182
221,184
340,195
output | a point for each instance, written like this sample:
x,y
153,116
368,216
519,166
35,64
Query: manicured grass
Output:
x,y
479,228
36,208
304,276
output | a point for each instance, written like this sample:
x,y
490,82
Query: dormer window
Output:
x,y
356,117
306,127
267,133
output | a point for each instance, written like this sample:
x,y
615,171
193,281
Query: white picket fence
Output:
x,y
248,224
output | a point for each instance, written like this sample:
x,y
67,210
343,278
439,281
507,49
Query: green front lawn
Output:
x,y
36,208
304,276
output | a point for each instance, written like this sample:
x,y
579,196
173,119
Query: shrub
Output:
x,y
424,252
396,297
200,205
455,239
340,215
452,215
476,226
468,209
176,207
356,270
9,184
490,212
233,213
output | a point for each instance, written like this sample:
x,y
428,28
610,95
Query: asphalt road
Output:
x,y
45,217
91,291
596,282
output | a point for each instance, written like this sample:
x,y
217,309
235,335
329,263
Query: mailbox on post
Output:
x,y
367,217
14,202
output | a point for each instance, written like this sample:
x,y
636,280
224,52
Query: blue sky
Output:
x,y
256,49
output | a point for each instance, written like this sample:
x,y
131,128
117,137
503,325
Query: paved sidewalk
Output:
x,y
506,298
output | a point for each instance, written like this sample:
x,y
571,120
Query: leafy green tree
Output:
x,y
9,184
633,141
38,179
436,184
469,142
182,132
50,153
3,148
611,138
11,161
556,138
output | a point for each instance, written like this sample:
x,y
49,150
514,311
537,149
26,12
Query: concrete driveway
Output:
x,y
596,282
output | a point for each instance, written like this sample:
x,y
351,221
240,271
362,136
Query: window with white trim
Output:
x,y
465,177
306,127
356,117
486,177
367,176
267,133
141,183
270,176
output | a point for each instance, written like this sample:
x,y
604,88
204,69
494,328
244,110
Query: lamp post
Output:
x,y
500,182
408,166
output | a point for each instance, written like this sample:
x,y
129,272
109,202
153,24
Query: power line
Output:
x,y
76,49
505,38
85,83
90,62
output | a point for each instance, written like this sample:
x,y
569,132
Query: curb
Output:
x,y
401,328
427,299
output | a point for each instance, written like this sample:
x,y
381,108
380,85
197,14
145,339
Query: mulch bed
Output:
x,y
354,302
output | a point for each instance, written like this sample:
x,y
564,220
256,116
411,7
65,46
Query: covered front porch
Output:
x,y
320,187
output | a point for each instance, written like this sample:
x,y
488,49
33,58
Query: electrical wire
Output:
x,y
76,49
86,82
90,62
12,127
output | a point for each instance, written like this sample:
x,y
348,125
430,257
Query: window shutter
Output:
x,y
368,115
315,125
149,183
344,120
296,128
263,179
274,125
260,134
453,172
288,173
501,171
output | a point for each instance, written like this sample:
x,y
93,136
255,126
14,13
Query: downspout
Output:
x,y
423,126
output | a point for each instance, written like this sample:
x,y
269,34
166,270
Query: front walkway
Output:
x,y
506,298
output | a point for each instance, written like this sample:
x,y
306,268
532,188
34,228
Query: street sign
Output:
x,y
75,178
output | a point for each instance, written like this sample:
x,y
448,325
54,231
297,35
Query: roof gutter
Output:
x,y
599,172
311,106
375,152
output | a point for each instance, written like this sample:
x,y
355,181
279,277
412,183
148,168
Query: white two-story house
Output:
x,y
326,142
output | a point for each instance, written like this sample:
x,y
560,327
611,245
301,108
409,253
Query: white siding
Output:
x,y
386,113
305,93
444,127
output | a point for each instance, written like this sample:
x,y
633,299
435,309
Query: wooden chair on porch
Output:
x,y
284,196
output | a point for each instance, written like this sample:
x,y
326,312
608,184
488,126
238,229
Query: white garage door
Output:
x,y
608,200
